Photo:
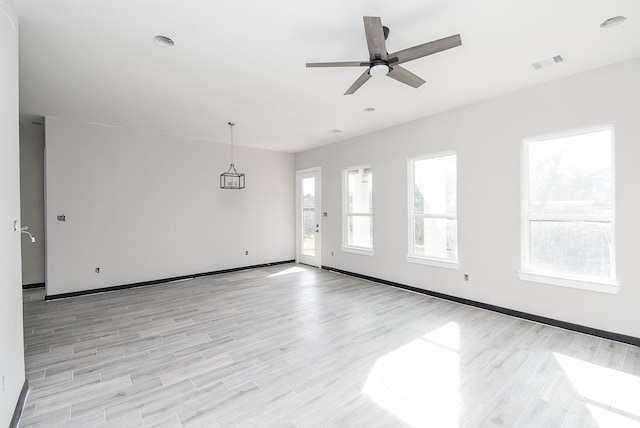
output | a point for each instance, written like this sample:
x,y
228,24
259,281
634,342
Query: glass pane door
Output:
x,y
308,216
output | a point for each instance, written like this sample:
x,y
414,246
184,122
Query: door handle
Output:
x,y
22,229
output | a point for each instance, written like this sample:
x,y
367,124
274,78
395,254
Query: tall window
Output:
x,y
568,206
357,233
433,216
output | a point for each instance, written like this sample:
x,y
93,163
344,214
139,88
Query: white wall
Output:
x,y
32,201
487,137
11,342
142,206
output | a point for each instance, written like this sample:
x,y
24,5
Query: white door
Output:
x,y
308,215
11,343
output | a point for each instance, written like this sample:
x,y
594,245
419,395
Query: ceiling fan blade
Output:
x,y
359,82
405,76
425,49
375,37
338,64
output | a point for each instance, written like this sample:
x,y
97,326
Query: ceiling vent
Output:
x,y
547,62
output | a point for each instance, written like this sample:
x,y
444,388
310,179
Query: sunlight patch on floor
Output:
x,y
606,389
606,418
288,271
419,382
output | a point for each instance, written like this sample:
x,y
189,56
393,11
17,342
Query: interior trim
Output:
x,y
159,281
22,399
358,250
631,340
600,287
34,285
434,262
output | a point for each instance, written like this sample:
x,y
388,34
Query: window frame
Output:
x,y
411,256
346,247
526,273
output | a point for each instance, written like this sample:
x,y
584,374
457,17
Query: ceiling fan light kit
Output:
x,y
379,70
383,63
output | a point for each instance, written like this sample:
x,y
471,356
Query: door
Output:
x,y
308,215
11,342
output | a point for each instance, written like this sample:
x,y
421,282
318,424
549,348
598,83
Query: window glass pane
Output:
x,y
572,247
309,216
309,243
359,231
571,175
360,185
435,186
436,237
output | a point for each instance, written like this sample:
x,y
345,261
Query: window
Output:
x,y
433,217
357,222
568,209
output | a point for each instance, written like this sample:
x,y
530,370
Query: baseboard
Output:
x,y
22,399
35,285
524,315
159,281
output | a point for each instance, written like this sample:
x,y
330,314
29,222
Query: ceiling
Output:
x,y
244,61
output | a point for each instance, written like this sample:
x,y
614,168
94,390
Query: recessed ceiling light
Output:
x,y
336,131
612,22
369,109
163,41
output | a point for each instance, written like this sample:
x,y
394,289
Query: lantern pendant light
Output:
x,y
232,179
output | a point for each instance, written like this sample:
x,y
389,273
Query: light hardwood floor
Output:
x,y
293,346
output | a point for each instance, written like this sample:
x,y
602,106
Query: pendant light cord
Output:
x,y
231,124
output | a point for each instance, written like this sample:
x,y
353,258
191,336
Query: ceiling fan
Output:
x,y
381,62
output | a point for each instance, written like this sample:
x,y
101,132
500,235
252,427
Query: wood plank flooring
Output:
x,y
294,346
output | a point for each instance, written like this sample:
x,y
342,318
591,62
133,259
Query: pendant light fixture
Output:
x,y
232,179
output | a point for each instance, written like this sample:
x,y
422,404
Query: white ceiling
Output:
x,y
244,61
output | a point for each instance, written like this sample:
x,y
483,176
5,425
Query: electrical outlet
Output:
x,y
466,277
332,253
97,270
246,253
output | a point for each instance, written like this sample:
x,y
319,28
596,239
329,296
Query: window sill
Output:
x,y
609,287
358,250
433,262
